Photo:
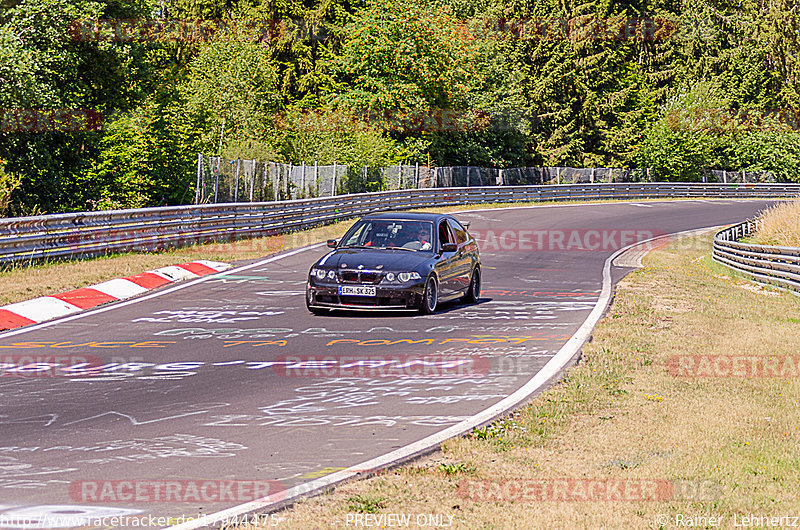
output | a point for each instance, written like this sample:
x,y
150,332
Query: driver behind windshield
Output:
x,y
412,236
417,237
423,236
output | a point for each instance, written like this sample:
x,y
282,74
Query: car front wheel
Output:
x,y
430,297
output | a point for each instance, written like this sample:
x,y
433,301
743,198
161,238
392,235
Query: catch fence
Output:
x,y
222,181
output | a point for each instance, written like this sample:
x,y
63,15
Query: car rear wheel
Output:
x,y
430,297
474,291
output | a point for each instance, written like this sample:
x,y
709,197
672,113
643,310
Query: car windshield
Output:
x,y
390,234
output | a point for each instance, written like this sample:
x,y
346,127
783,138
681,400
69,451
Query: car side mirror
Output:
x,y
332,243
466,224
449,247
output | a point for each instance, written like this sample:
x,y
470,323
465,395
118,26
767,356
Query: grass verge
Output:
x,y
726,446
780,225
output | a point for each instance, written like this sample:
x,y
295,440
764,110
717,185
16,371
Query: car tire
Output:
x,y
430,297
474,290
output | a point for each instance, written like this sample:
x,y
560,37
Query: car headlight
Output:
x,y
390,276
319,274
331,274
408,276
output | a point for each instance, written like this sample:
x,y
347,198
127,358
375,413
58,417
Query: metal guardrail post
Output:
x,y
236,181
199,173
216,181
252,178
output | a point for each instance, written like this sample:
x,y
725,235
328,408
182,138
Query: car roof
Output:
x,y
407,215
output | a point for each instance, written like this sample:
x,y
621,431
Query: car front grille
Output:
x,y
360,277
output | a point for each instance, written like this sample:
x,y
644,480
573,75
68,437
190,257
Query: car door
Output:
x,y
462,265
446,265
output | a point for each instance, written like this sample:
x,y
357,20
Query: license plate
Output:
x,y
357,290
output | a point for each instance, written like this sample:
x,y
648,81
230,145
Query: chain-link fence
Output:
x,y
520,176
466,176
220,180
308,180
406,177
717,175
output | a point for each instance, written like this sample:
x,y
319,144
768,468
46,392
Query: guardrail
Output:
x,y
93,233
774,265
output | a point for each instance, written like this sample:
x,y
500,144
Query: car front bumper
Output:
x,y
387,297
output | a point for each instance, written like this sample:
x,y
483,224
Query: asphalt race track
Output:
x,y
229,378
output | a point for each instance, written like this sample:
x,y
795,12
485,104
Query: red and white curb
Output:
x,y
49,307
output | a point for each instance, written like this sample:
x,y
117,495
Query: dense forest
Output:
x,y
106,103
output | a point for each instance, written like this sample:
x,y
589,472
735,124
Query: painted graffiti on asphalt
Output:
x,y
15,472
345,393
202,333
141,370
207,316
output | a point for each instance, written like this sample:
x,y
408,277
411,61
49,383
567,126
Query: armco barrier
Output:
x,y
778,266
93,233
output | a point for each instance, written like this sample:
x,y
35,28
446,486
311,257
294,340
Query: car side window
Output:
x,y
461,234
445,236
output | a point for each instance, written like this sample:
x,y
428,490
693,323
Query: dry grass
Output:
x,y
619,414
780,225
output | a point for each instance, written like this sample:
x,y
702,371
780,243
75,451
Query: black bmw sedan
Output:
x,y
397,261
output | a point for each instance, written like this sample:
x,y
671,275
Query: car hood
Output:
x,y
392,260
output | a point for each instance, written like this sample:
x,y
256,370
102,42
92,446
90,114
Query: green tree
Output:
x,y
404,56
147,158
43,67
235,82
684,140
